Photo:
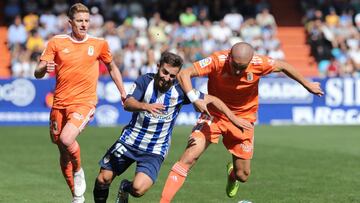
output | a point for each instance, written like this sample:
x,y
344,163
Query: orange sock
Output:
x,y
74,152
67,170
174,182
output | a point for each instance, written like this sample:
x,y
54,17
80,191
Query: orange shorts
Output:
x,y
79,115
239,143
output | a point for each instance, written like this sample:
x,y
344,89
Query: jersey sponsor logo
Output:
x,y
256,60
205,62
222,57
91,50
164,115
173,100
106,159
249,77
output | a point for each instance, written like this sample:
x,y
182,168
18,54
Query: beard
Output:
x,y
161,85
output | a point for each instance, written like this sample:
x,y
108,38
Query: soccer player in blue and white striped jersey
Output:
x,y
155,100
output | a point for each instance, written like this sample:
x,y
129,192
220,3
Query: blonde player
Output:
x,y
75,59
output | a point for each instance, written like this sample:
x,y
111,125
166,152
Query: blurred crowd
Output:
x,y
333,35
139,30
137,33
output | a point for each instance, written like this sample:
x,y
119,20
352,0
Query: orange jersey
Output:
x,y
77,69
240,94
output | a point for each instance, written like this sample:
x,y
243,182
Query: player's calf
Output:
x,y
101,191
242,175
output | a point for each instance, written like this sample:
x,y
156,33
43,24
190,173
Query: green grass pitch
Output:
x,y
290,164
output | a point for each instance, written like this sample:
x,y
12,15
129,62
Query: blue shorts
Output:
x,y
120,156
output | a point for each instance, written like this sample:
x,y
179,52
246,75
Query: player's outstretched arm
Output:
x,y
184,78
290,71
133,105
43,68
117,78
221,106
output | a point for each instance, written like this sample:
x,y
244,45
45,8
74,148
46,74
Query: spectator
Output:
x,y
132,61
195,38
111,37
96,19
220,31
277,53
234,20
332,19
139,22
31,21
21,65
35,43
17,33
266,19
156,29
150,66
357,21
49,20
60,6
187,18
250,30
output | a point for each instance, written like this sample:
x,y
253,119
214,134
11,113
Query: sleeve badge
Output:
x,y
205,62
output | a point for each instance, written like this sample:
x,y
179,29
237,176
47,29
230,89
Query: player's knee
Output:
x,y
138,190
103,180
242,175
67,141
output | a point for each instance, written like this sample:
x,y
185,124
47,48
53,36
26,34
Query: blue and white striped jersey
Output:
x,y
153,133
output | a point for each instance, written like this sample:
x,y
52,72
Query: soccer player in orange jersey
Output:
x,y
75,59
233,77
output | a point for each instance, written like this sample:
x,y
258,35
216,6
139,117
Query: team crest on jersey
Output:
x,y
249,76
205,62
106,159
173,100
91,50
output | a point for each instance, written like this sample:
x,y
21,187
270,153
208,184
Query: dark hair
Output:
x,y
171,59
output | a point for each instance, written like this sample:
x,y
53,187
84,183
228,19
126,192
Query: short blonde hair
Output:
x,y
77,8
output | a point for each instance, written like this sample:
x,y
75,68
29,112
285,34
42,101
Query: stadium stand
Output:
x,y
133,27
292,35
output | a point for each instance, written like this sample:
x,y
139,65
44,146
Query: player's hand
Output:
x,y
201,106
123,97
50,66
243,124
155,108
315,88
